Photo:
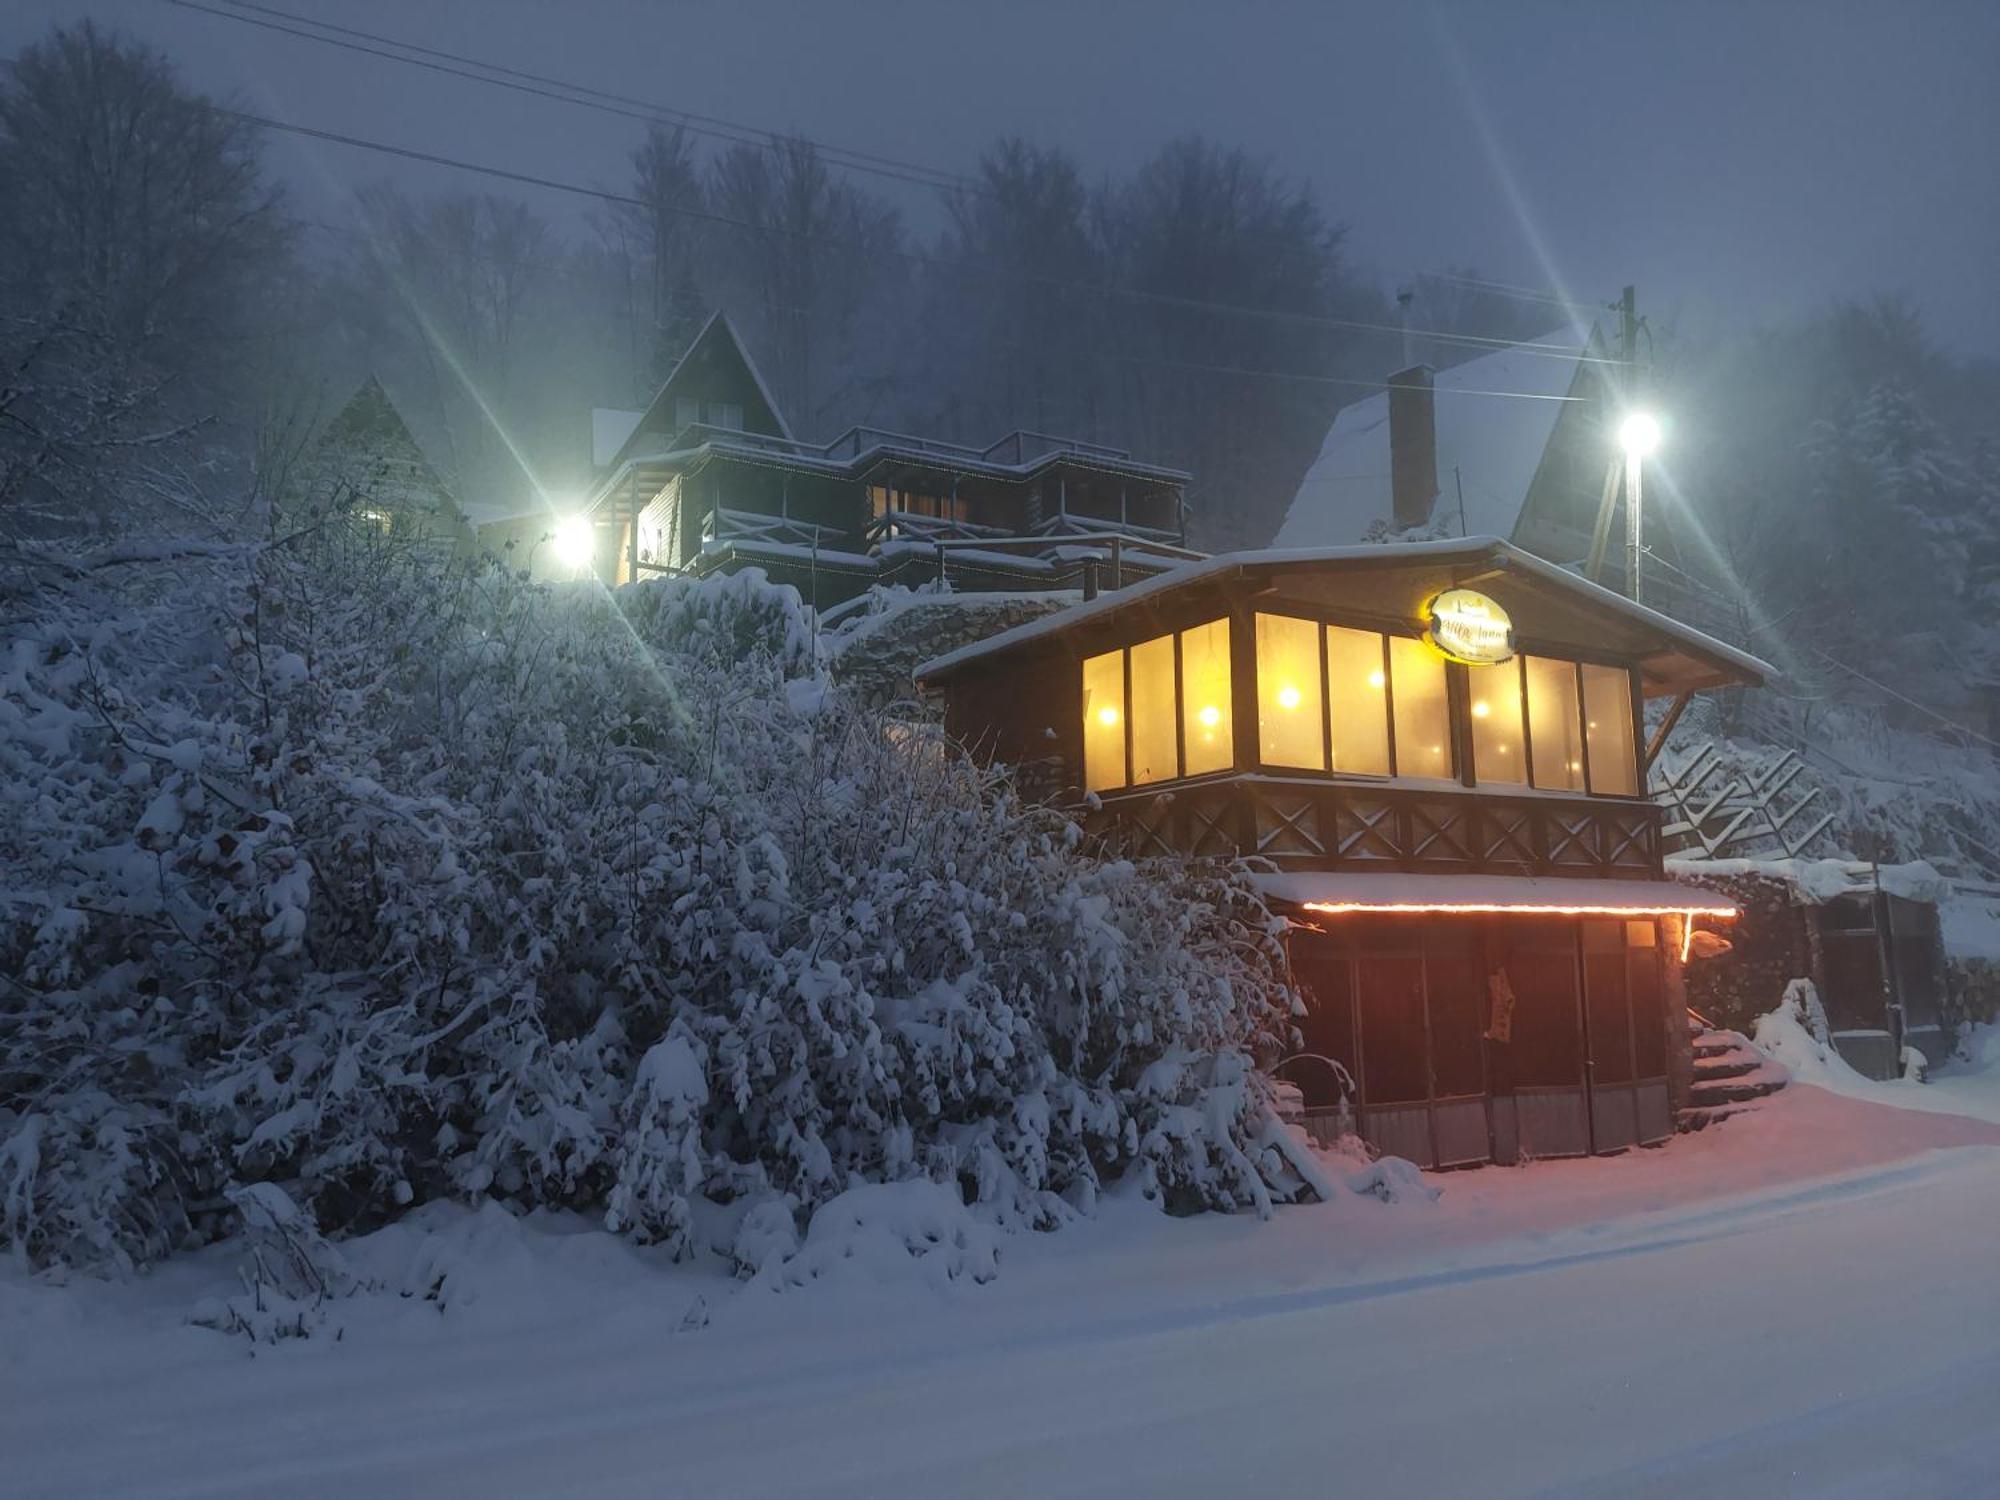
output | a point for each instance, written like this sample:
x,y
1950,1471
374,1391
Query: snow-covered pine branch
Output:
x,y
449,884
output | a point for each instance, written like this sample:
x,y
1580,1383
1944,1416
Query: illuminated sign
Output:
x,y
1468,627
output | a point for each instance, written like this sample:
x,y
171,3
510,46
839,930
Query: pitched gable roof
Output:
x,y
369,427
717,341
1494,442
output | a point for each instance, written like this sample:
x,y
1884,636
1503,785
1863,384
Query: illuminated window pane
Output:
x,y
1423,712
1104,721
1556,730
1495,694
1290,724
1152,710
1357,694
1207,726
1607,720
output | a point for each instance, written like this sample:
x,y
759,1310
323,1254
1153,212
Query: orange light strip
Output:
x,y
1721,914
1476,908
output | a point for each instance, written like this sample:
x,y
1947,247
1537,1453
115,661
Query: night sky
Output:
x,y
1737,161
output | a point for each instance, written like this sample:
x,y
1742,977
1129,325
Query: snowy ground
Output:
x,y
1799,1301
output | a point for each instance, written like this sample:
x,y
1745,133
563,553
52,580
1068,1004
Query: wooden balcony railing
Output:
x,y
1305,823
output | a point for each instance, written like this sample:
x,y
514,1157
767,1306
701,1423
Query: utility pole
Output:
x,y
1628,339
1635,510
1627,397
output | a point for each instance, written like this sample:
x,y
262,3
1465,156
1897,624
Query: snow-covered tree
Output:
x,y
614,904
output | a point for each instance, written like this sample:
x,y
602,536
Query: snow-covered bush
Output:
x,y
332,868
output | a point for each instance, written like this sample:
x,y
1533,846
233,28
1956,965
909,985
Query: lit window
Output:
x,y
1104,721
1291,726
1554,727
1607,719
1423,710
1152,710
1207,726
1497,752
1357,694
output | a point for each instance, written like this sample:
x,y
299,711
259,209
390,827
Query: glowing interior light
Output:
x,y
1107,716
576,542
1481,709
1376,679
1210,716
1288,697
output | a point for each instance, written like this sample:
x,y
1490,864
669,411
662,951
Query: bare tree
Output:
x,y
1223,267
138,245
132,204
808,254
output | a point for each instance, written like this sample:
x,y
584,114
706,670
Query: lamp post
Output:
x,y
1638,435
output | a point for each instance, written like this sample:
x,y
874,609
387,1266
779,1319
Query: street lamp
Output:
x,y
576,543
1639,436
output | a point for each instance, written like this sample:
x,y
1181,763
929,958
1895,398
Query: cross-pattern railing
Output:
x,y
725,525
1327,825
903,525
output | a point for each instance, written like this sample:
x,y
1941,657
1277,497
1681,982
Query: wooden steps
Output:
x,y
1730,1076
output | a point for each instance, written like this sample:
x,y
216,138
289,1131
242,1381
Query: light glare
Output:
x,y
1639,434
576,542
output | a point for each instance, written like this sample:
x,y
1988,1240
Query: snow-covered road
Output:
x,y
1802,1302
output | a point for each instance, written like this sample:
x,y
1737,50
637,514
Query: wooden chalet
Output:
x,y
711,478
1434,753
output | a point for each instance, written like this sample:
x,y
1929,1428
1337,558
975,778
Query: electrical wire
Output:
x,y
581,95
938,262
1506,289
933,177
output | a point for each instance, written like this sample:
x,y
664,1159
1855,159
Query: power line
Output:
x,y
1372,385
1507,289
607,195
931,177
573,93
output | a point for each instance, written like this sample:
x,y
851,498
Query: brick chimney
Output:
x,y
1413,460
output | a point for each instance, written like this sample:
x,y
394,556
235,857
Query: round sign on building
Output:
x,y
1466,626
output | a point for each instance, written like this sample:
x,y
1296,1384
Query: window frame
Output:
x,y
1458,708
1124,650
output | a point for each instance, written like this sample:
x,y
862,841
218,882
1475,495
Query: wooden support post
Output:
x,y
632,489
1659,740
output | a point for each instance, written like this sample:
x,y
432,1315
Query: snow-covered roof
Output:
x,y
1378,890
1821,880
1454,549
1495,443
